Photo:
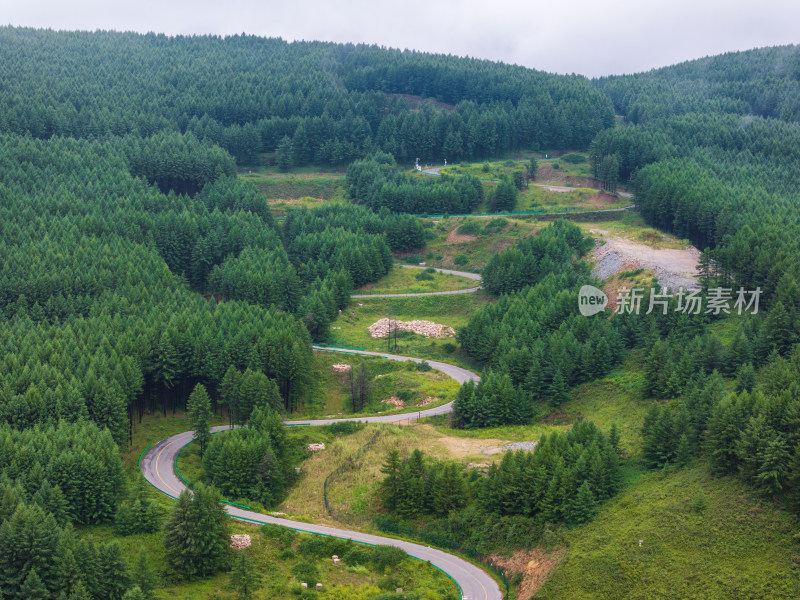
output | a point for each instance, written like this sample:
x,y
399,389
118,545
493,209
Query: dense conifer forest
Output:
x,y
139,275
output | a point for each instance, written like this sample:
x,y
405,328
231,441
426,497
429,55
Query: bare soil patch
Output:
x,y
415,101
547,174
535,565
294,201
454,237
460,447
601,200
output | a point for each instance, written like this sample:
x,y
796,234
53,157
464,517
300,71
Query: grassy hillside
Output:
x,y
702,538
351,328
330,394
414,281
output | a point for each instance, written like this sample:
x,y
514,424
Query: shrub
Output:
x,y
423,366
699,502
556,165
574,159
405,395
356,556
486,167
390,582
284,535
387,556
495,225
312,547
470,227
414,259
629,274
460,259
137,516
305,571
359,570
424,276
345,427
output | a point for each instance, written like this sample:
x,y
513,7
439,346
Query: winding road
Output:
x,y
472,290
158,467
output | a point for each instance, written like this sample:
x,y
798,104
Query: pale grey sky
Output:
x,y
588,37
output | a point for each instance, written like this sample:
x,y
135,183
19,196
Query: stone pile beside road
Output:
x,y
383,327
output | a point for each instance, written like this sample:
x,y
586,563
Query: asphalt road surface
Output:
x,y
472,290
158,467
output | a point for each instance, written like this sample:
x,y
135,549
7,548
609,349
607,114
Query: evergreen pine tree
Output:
x,y
113,577
33,588
284,153
243,578
195,533
531,168
774,466
390,486
144,576
745,378
613,437
582,507
135,593
79,592
199,408
558,391
683,452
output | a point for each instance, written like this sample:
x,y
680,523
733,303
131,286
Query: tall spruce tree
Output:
x,y
199,408
195,534
243,578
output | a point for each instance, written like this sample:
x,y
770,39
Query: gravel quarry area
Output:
x,y
674,268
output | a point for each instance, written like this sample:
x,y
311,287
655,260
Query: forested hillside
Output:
x,y
312,102
140,276
763,82
712,152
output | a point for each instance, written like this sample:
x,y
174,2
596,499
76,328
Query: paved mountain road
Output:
x,y
158,467
472,290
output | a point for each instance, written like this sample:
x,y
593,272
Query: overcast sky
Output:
x,y
590,37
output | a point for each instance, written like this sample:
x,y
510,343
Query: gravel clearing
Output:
x,y
520,446
674,268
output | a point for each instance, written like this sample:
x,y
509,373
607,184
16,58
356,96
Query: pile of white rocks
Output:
x,y
383,327
394,401
240,541
342,368
315,447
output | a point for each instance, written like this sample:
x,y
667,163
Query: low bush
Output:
x,y
306,572
345,427
387,556
573,159
470,227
